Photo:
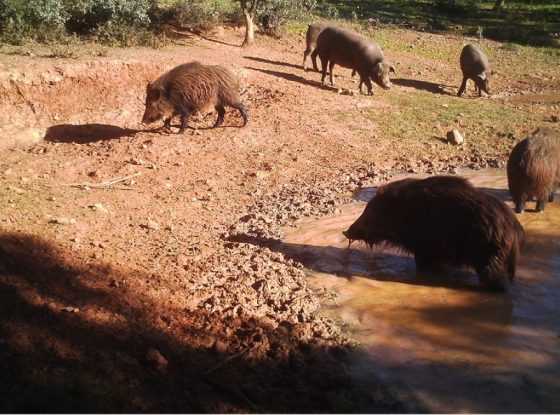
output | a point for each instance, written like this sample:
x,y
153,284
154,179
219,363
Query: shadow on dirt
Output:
x,y
378,264
289,77
191,34
257,59
74,337
87,133
422,86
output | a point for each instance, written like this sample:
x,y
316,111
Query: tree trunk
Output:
x,y
249,29
499,4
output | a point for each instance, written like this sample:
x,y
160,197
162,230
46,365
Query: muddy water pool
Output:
x,y
439,341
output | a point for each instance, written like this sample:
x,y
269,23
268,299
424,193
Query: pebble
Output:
x,y
62,221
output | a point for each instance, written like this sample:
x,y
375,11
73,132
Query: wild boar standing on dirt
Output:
x,y
189,88
351,50
313,31
533,169
444,220
475,66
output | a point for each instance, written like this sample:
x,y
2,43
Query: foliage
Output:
x,y
200,14
19,18
273,14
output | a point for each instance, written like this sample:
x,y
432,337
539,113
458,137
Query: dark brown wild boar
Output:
x,y
351,50
533,169
475,66
444,220
189,88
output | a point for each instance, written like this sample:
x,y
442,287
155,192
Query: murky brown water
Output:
x,y
440,341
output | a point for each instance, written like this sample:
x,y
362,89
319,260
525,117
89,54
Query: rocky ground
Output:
x,y
127,282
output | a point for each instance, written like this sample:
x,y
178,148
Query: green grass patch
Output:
x,y
415,115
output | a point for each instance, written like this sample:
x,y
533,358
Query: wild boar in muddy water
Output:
x,y
533,169
189,88
444,220
475,66
351,50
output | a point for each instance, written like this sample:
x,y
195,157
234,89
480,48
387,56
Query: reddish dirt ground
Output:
x,y
143,295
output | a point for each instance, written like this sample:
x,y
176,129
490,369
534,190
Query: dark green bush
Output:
x,y
87,16
198,14
23,18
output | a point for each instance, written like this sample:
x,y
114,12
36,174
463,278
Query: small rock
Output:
x,y
152,225
155,358
71,309
455,137
62,221
51,198
554,118
98,207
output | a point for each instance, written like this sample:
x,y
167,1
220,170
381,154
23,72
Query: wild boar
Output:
x,y
533,169
313,31
444,220
189,88
351,50
475,66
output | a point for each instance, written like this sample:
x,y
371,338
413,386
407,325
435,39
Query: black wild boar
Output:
x,y
444,220
313,31
189,88
533,169
351,50
475,66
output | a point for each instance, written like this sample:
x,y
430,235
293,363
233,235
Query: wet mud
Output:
x,y
439,340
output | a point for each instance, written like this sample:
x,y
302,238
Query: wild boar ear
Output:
x,y
392,69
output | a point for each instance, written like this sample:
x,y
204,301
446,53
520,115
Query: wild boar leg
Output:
x,y
243,111
324,63
462,87
184,121
221,112
331,75
314,59
368,85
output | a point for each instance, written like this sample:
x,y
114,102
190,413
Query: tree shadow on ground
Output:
x,y
75,336
87,133
423,86
290,77
191,34
518,22
263,60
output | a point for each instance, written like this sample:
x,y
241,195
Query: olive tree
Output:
x,y
249,10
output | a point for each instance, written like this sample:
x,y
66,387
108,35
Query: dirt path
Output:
x,y
93,277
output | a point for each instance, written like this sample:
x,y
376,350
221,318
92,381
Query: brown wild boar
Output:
x,y
189,88
444,220
475,66
351,50
533,169
313,31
